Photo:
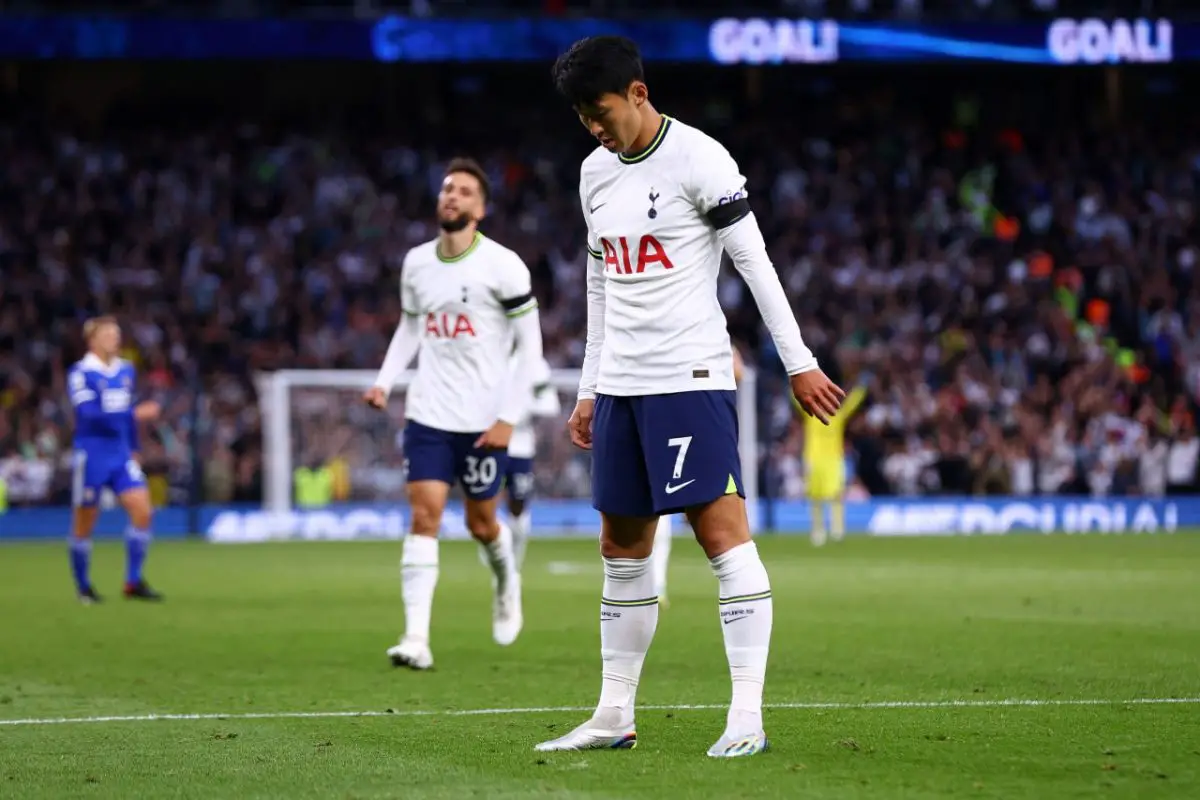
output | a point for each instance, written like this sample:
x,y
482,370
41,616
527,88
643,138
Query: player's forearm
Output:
x,y
145,411
527,355
590,372
852,403
744,242
400,353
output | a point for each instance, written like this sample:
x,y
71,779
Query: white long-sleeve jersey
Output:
x,y
473,319
546,403
657,224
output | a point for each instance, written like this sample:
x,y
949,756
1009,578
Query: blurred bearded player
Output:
x,y
471,320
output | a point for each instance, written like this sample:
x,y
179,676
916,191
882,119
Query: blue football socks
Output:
x,y
137,542
81,561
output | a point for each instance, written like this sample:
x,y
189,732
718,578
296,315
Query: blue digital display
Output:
x,y
724,41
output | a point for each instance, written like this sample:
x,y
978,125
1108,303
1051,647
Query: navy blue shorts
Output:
x,y
663,453
433,455
518,479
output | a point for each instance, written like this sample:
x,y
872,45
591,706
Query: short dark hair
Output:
x,y
471,167
596,66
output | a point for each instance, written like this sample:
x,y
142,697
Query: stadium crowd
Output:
x,y
1018,298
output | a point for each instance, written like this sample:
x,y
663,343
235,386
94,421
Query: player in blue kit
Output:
x,y
102,388
662,202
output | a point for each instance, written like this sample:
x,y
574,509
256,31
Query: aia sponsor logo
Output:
x,y
447,325
620,258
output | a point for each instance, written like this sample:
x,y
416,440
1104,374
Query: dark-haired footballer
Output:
x,y
470,313
656,402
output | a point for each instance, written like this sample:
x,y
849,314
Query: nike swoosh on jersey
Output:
x,y
597,207
673,489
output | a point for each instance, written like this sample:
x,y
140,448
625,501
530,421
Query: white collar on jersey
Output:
x,y
92,363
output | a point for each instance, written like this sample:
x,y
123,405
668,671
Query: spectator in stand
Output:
x,y
1181,461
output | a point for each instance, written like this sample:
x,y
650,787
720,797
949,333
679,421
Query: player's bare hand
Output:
x,y
375,397
496,437
817,395
147,411
580,424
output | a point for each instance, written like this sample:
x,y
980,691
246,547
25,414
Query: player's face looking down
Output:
x,y
616,119
460,202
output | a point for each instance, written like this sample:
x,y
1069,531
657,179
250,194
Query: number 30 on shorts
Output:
x,y
481,472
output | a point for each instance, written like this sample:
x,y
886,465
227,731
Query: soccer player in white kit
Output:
x,y
656,405
518,477
470,312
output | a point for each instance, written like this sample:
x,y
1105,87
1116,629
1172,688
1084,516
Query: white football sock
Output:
x,y
628,617
499,556
746,617
418,579
521,525
661,555
817,509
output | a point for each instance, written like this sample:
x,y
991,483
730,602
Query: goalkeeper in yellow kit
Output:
x,y
825,466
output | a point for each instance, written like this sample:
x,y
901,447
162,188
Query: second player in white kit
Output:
x,y
470,312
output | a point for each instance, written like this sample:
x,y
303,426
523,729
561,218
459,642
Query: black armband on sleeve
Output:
x,y
516,302
518,306
726,214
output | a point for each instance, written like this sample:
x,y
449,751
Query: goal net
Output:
x,y
317,417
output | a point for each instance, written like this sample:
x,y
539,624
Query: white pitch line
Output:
x,y
485,712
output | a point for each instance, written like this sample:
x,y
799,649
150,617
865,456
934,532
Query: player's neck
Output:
x,y
105,360
454,244
651,122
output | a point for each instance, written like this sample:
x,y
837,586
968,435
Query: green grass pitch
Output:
x,y
873,637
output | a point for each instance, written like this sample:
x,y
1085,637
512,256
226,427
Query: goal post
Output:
x,y
315,415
